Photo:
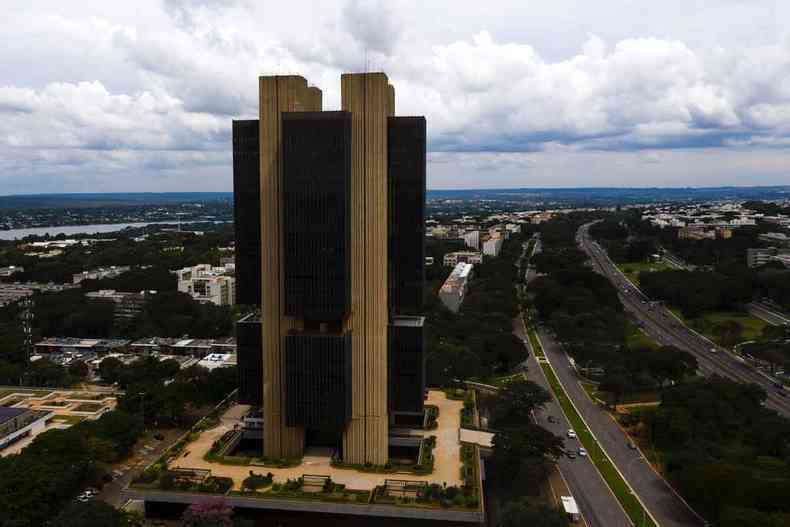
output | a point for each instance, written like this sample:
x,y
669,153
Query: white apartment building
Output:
x,y
5,272
453,290
453,259
759,257
472,240
492,246
100,273
208,284
778,238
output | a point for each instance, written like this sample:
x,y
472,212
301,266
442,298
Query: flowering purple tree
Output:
x,y
210,513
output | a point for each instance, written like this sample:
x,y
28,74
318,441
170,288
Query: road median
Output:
x,y
636,512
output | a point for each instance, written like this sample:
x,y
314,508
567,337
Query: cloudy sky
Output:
x,y
100,95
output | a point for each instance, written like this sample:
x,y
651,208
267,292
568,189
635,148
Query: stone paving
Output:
x,y
447,466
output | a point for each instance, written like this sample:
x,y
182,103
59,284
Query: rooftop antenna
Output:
x,y
28,316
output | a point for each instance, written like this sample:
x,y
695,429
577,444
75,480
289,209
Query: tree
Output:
x,y
616,384
729,332
44,372
110,369
515,402
78,369
522,513
671,364
10,373
92,514
213,513
529,441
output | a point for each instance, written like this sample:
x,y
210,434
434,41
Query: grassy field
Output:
x,y
537,349
530,246
632,269
636,339
37,393
69,419
607,470
752,326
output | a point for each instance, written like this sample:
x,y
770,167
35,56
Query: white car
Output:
x,y
582,452
571,434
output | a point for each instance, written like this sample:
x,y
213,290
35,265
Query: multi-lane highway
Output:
x,y
769,314
598,505
659,323
666,507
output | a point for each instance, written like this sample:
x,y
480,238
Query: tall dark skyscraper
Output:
x,y
330,229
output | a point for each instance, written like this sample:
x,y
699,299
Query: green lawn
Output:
x,y
36,393
70,419
636,339
752,326
616,483
536,347
632,269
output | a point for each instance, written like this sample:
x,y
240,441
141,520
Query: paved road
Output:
x,y
597,503
661,325
145,454
768,314
659,498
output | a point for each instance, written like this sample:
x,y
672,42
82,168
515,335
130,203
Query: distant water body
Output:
x,y
68,230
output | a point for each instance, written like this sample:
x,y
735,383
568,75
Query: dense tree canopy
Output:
x,y
523,513
478,341
163,395
696,292
727,454
93,514
515,402
57,465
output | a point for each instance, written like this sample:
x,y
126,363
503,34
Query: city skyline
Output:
x,y
545,95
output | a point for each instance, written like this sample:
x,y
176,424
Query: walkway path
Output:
x,y
447,466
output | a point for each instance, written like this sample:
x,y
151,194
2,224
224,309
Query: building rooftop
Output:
x,y
6,413
410,321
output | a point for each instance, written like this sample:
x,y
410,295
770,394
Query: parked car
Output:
x,y
582,452
571,454
571,434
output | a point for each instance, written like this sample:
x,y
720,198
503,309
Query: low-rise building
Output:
x,y
100,273
696,233
18,423
454,289
183,347
723,233
778,239
493,246
5,272
761,256
51,345
208,284
472,239
470,257
218,360
13,292
10,293
127,305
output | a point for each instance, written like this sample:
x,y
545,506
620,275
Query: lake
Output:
x,y
15,234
